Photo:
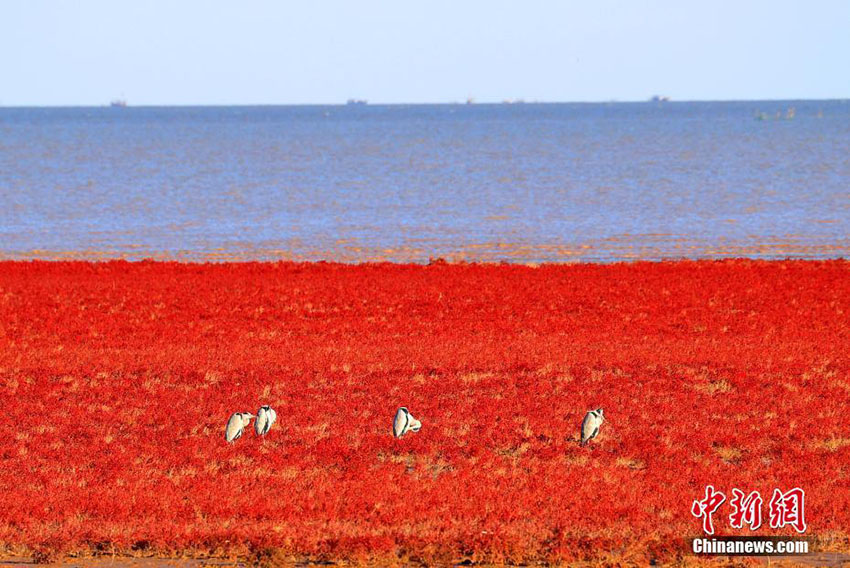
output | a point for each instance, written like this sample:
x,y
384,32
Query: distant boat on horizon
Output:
x,y
659,99
789,115
120,103
356,102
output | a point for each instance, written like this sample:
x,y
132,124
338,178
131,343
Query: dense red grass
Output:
x,y
116,380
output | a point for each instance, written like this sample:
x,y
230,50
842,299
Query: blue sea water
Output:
x,y
514,182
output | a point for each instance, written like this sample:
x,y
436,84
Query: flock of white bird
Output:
x,y
403,423
266,417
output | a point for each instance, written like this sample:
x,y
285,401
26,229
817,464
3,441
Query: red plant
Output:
x,y
116,381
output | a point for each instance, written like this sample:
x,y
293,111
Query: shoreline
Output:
x,y
827,558
607,251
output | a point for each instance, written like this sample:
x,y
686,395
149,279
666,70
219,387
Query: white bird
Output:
x,y
266,416
404,422
590,426
236,424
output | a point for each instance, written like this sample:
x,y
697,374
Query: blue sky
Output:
x,y
87,52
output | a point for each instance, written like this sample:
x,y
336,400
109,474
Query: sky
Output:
x,y
205,52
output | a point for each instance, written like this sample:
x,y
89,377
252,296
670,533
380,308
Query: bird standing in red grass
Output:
x,y
266,417
235,426
590,426
404,422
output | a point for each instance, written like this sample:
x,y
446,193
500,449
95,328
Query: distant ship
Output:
x,y
121,103
659,99
789,115
356,102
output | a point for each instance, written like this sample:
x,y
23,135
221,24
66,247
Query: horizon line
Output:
x,y
505,102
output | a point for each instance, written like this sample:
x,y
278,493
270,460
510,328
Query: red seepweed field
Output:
x,y
116,380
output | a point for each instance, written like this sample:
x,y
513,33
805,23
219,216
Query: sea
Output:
x,y
522,182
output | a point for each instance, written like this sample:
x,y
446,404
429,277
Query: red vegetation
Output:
x,y
116,380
